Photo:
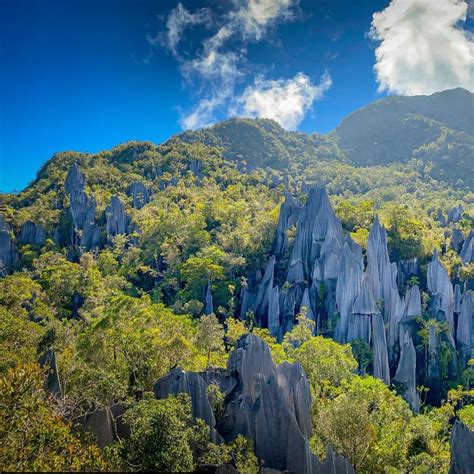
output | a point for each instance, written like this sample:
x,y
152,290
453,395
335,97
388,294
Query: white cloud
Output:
x,y
217,67
253,17
285,101
178,20
422,47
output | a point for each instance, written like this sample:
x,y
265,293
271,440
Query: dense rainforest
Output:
x,y
244,298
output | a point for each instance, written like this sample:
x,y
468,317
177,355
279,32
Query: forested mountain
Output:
x,y
243,297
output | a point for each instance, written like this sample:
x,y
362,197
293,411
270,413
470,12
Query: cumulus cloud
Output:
x,y
423,48
218,67
285,101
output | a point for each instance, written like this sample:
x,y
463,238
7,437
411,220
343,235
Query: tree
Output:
x,y
366,423
328,365
210,338
33,437
162,433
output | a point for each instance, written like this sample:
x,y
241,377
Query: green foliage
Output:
x,y
32,435
161,435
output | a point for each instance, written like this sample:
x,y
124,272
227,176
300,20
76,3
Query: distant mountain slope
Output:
x,y
436,129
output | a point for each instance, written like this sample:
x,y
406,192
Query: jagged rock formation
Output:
x,y
442,296
289,213
208,302
467,250
139,194
32,234
118,222
271,405
462,449
406,373
8,252
407,269
85,232
352,301
456,240
465,329
455,214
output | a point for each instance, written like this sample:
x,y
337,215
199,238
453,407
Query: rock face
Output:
x,y
139,194
118,222
289,213
8,252
316,220
467,250
462,451
32,234
406,373
85,232
271,405
465,329
442,295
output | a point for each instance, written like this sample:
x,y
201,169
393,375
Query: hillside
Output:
x,y
205,303
435,131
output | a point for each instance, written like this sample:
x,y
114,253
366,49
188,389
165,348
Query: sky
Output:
x,y
88,75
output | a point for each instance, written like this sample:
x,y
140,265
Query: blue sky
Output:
x,y
87,75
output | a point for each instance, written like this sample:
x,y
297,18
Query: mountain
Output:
x,y
437,130
242,296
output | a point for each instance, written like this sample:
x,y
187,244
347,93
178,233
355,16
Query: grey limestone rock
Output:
x,y
462,449
274,312
442,296
351,275
8,252
456,240
407,269
262,297
441,218
467,250
465,329
118,222
316,219
406,372
32,234
289,212
382,281
139,194
455,214
79,201
4,225
209,305
379,346
270,405
180,381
